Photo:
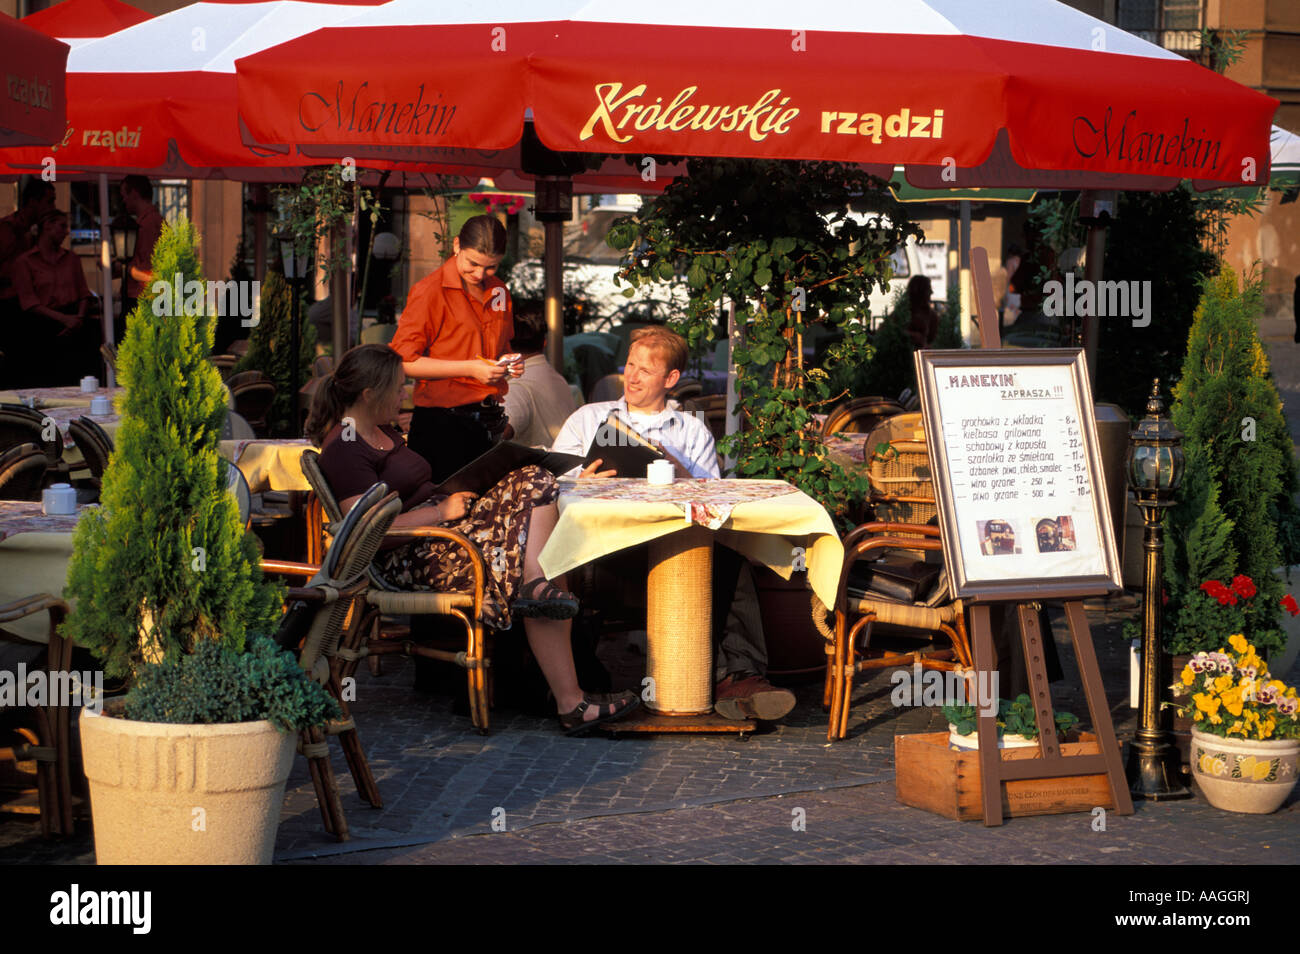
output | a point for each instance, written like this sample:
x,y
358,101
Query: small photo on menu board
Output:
x,y
1019,483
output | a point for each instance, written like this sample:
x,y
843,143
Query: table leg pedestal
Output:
x,y
679,622
679,641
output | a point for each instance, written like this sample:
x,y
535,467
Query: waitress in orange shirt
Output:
x,y
457,322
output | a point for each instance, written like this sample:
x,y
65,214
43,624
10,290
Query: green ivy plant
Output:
x,y
774,239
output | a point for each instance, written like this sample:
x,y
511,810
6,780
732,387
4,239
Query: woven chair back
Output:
x,y
22,472
357,538
859,415
902,484
93,442
22,425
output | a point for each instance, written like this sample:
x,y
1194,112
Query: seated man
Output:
x,y
655,362
539,401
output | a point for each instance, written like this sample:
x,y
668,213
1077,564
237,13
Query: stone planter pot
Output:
x,y
1237,775
184,794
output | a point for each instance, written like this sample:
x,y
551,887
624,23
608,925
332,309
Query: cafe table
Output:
x,y
34,554
769,521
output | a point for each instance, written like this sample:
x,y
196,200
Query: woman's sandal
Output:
x,y
573,722
541,598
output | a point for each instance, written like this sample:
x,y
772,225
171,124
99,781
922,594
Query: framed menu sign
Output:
x,y
1013,445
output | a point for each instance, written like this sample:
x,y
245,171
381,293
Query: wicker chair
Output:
x,y
902,484
903,503
713,407
47,740
859,609
22,472
22,425
384,599
253,401
314,627
859,415
95,446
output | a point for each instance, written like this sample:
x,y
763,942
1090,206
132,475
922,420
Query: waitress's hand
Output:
x,y
455,506
486,372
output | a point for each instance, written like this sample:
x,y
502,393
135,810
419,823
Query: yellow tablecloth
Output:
x,y
768,521
269,465
34,555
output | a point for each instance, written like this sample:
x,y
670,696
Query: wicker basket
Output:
x,y
902,485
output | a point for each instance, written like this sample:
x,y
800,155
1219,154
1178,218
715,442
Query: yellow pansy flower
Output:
x,y
1189,677
1238,642
1206,703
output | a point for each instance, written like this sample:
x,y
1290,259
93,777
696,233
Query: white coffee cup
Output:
x,y
660,472
59,499
101,406
89,384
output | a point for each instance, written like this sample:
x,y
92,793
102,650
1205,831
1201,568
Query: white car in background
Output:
x,y
589,269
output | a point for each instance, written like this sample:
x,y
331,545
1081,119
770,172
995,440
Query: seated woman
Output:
x,y
510,523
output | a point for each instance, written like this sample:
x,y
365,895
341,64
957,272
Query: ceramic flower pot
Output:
x,y
184,794
1239,775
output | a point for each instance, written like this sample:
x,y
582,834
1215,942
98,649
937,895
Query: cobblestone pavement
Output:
x,y
696,798
714,799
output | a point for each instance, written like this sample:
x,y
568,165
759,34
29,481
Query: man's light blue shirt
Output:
x,y
684,436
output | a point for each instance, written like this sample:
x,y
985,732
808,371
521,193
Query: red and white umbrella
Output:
x,y
1022,92
32,103
85,19
159,98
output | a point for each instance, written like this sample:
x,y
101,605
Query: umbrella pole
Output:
x,y
1092,270
553,266
106,273
963,261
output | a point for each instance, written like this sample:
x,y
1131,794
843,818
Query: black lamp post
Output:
x,y
124,229
1155,469
295,265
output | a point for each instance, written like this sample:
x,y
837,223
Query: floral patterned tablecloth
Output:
x,y
23,516
70,396
769,521
849,447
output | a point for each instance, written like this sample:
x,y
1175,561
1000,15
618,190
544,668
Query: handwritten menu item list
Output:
x,y
1018,466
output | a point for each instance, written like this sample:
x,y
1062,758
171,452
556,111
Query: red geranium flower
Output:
x,y
1218,591
1244,586
1289,604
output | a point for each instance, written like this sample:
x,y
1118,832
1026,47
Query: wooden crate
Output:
x,y
931,776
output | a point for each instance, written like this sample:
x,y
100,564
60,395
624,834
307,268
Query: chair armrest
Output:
x,y
30,605
464,542
859,542
290,568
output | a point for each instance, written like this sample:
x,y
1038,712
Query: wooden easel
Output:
x,y
1052,764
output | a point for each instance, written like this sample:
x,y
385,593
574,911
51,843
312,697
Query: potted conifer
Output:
x,y
1235,516
190,767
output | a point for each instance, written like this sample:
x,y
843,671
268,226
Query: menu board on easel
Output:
x,y
1017,473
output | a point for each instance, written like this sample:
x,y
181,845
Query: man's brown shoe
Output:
x,y
751,697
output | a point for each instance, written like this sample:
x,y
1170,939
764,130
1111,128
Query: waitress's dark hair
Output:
x,y
365,366
483,233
